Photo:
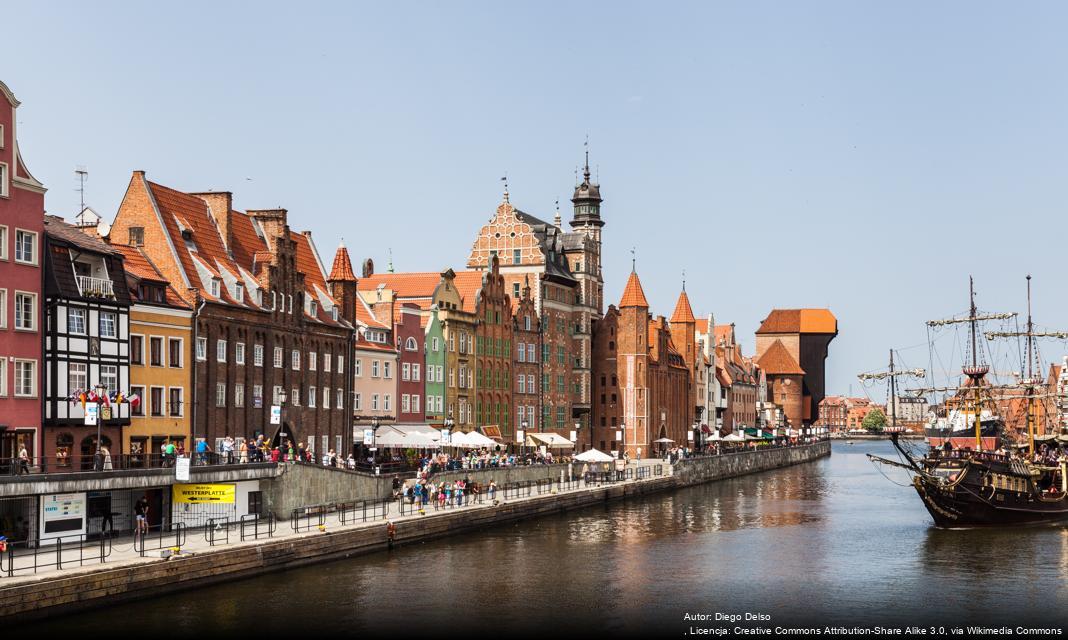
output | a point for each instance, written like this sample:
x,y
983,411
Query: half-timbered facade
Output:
x,y
87,339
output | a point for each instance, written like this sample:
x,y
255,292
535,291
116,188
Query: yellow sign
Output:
x,y
203,493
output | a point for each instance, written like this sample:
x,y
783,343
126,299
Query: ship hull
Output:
x,y
960,442
965,505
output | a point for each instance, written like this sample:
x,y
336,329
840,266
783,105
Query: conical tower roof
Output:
x,y
683,310
342,269
633,295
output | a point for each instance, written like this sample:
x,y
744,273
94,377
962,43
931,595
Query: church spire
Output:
x,y
587,200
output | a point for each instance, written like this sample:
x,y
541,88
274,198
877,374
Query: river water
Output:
x,y
832,542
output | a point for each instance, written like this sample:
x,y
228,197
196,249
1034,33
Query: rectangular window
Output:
x,y
137,350
257,355
202,348
76,320
174,357
374,368
25,311
560,384
406,371
25,246
295,396
311,396
517,257
560,357
109,377
108,324
175,401
406,403
138,408
521,352
415,403
326,362
155,351
522,386
387,369
359,367
3,308
357,402
239,353
341,364
340,398
155,405
387,402
220,394
415,372
295,360
220,351
3,231
257,395
326,397
530,353
77,378
278,357
374,402
312,360
239,395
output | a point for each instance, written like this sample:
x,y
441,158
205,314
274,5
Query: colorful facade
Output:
x,y
161,361
21,242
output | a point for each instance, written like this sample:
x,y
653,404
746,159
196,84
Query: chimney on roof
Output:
x,y
220,205
368,268
272,221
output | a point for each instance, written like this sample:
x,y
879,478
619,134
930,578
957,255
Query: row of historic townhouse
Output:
x,y
186,319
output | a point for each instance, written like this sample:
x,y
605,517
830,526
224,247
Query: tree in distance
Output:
x,y
874,421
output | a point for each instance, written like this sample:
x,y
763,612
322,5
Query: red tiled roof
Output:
x,y
247,244
137,264
777,360
722,332
701,326
633,295
342,269
403,285
683,310
195,216
307,263
799,321
365,316
468,284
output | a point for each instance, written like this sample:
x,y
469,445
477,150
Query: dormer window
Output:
x,y
314,308
240,292
137,236
333,313
215,287
259,297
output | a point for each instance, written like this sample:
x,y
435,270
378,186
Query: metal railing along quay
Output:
x,y
32,556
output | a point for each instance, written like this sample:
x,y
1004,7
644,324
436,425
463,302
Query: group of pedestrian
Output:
x,y
423,492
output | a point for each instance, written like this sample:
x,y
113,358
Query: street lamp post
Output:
x,y
98,458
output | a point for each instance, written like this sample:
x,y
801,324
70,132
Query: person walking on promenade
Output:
x,y
492,490
396,486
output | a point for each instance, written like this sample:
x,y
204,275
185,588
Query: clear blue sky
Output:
x,y
858,155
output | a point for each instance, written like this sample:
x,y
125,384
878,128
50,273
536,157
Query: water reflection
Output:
x,y
830,541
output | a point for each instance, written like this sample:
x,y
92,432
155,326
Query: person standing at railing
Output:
x,y
107,458
24,460
141,515
228,449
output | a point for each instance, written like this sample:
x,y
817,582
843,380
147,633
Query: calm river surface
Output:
x,y
830,542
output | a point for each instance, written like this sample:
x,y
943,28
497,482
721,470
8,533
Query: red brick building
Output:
x,y
265,325
526,367
646,374
803,337
408,330
493,351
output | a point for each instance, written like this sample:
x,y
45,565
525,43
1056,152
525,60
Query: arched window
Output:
x,y
410,344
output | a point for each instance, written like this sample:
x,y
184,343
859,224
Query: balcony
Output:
x,y
95,287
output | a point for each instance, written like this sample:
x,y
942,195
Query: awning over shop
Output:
x,y
405,436
553,440
593,455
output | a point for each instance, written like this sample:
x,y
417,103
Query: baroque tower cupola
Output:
x,y
587,201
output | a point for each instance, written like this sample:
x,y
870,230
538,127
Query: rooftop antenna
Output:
x,y
389,267
83,175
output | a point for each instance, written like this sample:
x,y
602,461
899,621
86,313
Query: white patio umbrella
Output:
x,y
593,455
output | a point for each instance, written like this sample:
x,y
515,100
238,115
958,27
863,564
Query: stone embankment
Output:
x,y
129,576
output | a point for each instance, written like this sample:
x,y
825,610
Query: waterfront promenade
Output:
x,y
215,554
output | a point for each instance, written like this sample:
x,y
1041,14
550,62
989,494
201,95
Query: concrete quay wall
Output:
x,y
730,465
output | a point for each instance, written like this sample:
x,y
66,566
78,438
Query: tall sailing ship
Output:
x,y
977,481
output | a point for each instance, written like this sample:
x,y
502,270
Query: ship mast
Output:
x,y
1030,382
893,375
